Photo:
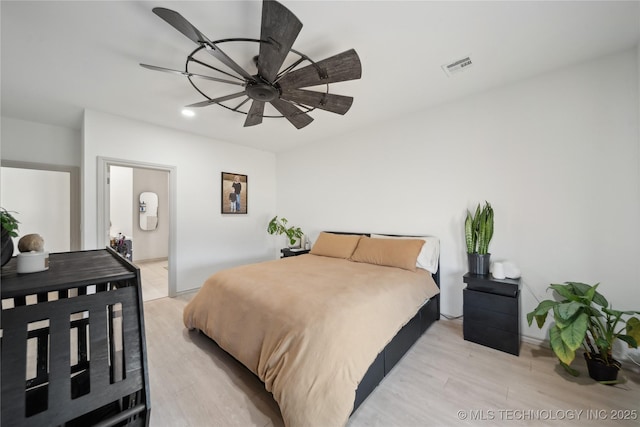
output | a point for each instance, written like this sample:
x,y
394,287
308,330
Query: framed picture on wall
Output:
x,y
234,193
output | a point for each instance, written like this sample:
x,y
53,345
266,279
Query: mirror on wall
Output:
x,y
148,211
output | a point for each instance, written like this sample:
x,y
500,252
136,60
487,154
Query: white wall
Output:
x,y
557,156
151,244
40,201
43,144
205,240
40,143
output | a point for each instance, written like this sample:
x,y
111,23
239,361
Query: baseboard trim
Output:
x,y
142,261
186,291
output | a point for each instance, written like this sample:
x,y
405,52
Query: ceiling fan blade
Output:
x,y
254,116
217,100
296,116
338,68
181,24
183,73
280,28
325,101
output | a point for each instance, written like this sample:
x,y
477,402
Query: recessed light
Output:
x,y
188,113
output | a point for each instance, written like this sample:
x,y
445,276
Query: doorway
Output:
x,y
119,217
45,200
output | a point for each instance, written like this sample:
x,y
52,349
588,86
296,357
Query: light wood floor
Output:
x,y
155,278
442,381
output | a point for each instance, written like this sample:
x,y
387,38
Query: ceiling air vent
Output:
x,y
457,66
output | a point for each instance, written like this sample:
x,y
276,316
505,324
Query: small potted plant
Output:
x,y
279,226
478,231
9,230
584,318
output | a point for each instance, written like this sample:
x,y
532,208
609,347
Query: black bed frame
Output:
x,y
400,344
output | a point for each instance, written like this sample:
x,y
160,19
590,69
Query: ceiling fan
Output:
x,y
280,86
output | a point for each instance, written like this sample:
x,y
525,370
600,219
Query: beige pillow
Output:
x,y
335,245
401,253
429,254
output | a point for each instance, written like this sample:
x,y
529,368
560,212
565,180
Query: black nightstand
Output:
x,y
492,312
286,252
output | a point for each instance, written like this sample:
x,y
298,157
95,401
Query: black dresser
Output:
x,y
492,312
73,344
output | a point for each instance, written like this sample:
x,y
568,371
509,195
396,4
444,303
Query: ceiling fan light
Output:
x,y
188,113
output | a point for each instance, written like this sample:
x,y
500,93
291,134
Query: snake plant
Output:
x,y
478,229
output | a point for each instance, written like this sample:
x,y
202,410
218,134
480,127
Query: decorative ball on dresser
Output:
x,y
32,257
31,242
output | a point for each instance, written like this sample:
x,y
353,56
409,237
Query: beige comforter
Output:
x,y
308,326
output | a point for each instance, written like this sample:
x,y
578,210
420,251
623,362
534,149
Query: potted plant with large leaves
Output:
x,y
279,226
478,231
9,230
583,318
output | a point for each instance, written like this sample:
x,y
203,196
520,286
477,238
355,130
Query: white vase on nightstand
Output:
x,y
296,244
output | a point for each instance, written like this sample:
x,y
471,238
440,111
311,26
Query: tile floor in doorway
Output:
x,y
155,278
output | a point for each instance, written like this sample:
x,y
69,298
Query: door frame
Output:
x,y
75,232
103,209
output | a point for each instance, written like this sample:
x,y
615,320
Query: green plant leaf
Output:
x,y
611,382
9,222
593,311
482,230
631,341
612,312
579,288
561,320
279,227
633,329
489,226
565,291
603,345
475,227
272,228
583,289
540,312
616,312
567,310
560,323
569,369
573,334
540,320
468,233
589,294
561,350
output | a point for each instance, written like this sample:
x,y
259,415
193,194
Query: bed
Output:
x,y
322,329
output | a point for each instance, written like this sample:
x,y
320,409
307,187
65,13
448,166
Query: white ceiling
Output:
x,y
61,57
